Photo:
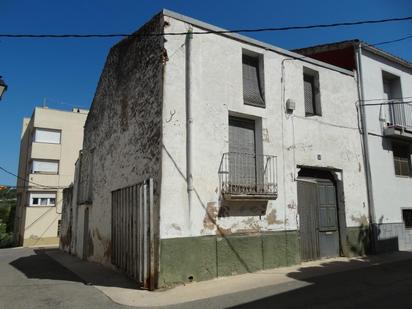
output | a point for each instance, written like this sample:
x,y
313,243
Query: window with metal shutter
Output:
x,y
252,88
47,136
43,166
401,159
308,81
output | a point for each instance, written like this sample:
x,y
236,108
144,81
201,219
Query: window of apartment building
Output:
x,y
45,166
47,136
402,159
252,70
311,92
407,217
43,199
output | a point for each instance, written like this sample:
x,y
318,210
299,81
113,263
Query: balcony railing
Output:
x,y
248,176
400,115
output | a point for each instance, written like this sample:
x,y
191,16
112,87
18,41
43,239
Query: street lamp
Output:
x,y
3,87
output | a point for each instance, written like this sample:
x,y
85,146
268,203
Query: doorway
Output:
x,y
318,213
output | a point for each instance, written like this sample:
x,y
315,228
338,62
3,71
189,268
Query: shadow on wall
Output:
x,y
40,265
360,283
228,253
358,240
382,242
212,219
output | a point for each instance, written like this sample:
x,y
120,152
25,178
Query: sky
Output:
x,y
64,72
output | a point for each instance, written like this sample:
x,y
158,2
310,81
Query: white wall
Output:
x,y
390,192
216,93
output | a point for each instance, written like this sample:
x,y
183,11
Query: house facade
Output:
x,y
50,143
212,155
385,92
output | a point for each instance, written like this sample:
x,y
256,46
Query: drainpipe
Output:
x,y
189,125
372,218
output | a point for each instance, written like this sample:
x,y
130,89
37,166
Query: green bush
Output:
x,y
6,239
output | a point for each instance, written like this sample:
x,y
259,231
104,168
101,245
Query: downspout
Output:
x,y
189,125
368,175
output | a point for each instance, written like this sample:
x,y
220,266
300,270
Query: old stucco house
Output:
x,y
385,88
214,154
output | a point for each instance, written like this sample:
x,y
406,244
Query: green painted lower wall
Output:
x,y
357,240
206,257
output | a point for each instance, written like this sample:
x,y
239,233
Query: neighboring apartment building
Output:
x,y
385,103
50,143
212,155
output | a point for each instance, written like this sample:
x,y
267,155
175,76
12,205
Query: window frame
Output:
x,y
260,76
34,140
316,96
399,159
409,226
39,195
45,172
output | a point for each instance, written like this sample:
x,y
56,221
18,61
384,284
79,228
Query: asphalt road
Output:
x,y
31,279
387,285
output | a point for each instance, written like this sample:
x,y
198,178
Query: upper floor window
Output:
x,y
47,136
45,166
252,69
42,199
391,86
311,92
402,159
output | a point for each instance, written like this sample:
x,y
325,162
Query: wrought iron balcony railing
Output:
x,y
400,115
248,176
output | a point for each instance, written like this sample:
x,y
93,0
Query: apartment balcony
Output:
x,y
245,176
400,120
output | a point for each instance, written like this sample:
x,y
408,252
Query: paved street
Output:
x,y
382,286
32,279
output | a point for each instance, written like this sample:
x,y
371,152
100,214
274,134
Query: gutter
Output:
x,y
189,125
371,208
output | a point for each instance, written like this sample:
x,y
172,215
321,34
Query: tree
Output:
x,y
8,201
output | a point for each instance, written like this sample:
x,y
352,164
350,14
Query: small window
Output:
x,y
407,217
43,199
44,166
311,92
47,136
401,159
252,80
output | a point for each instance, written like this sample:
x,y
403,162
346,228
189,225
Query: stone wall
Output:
x,y
122,142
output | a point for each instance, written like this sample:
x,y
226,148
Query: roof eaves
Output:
x,y
386,55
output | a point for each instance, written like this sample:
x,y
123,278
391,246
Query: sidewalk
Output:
x,y
261,284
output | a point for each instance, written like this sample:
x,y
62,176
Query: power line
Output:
x,y
391,41
382,99
112,35
387,103
29,181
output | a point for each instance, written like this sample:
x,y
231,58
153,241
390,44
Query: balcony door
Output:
x,y
242,154
392,93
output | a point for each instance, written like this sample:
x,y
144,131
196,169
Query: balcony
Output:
x,y
245,176
400,120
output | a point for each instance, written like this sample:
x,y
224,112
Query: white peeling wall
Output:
x,y
216,93
391,193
